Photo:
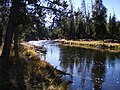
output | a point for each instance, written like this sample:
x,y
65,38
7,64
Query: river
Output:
x,y
91,69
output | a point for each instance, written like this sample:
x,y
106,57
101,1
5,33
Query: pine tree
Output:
x,y
83,8
114,30
118,28
72,30
109,25
99,19
80,30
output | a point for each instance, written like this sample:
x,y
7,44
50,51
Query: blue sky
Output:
x,y
111,5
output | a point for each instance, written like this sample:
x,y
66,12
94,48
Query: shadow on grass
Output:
x,y
12,75
24,74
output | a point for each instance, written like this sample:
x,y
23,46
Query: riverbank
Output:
x,y
91,44
0,51
50,76
28,71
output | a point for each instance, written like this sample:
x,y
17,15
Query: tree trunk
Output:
x,y
72,29
16,42
10,30
0,35
0,38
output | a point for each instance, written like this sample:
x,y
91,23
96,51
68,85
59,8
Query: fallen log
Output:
x,y
62,73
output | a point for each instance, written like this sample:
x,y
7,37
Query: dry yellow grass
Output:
x,y
41,69
0,50
92,43
96,45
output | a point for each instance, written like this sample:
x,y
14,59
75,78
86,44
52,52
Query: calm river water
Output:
x,y
91,70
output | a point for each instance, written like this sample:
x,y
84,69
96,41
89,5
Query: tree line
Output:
x,y
91,23
24,20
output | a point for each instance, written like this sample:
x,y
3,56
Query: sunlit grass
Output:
x,y
1,50
96,45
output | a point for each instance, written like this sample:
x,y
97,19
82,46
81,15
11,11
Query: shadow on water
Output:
x,y
91,69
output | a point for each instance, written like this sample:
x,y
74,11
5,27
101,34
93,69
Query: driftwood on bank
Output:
x,y
41,49
62,73
38,49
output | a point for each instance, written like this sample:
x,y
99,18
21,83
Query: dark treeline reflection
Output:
x,y
89,65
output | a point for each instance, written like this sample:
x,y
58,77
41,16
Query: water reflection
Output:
x,y
98,70
91,70
79,63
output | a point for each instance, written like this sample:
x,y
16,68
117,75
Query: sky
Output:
x,y
113,6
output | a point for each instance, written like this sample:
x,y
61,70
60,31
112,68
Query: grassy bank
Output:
x,y
96,45
0,50
28,72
